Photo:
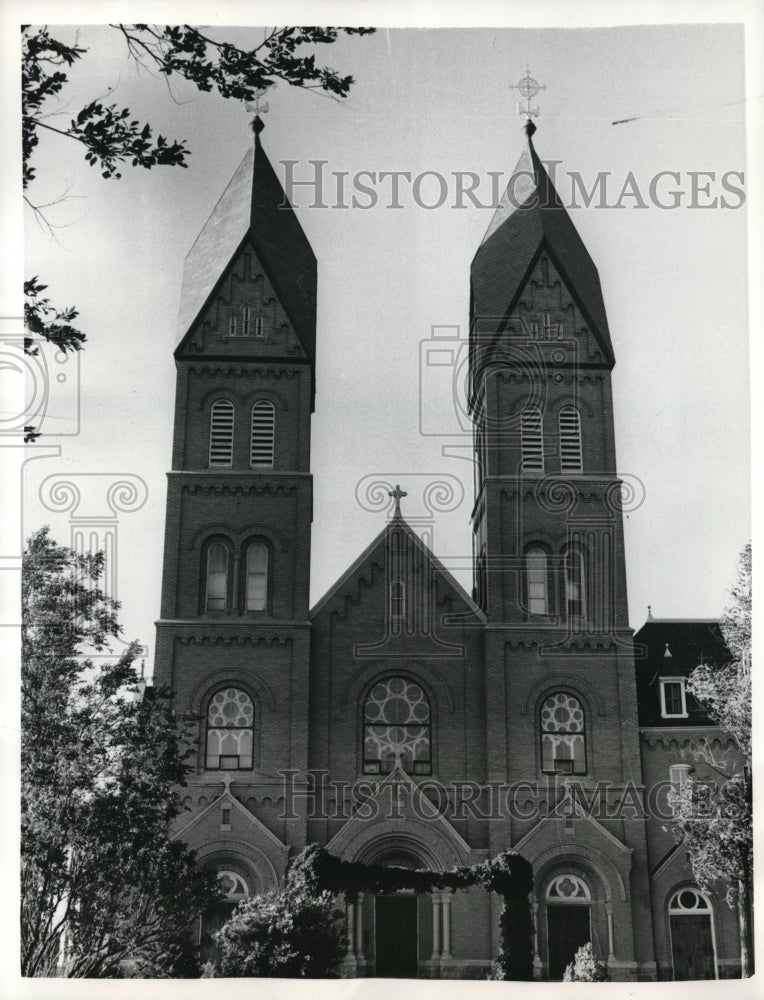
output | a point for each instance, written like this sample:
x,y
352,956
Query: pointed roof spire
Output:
x,y
530,217
253,207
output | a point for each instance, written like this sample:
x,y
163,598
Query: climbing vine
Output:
x,y
508,874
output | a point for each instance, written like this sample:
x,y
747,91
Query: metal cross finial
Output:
x,y
528,88
396,494
258,109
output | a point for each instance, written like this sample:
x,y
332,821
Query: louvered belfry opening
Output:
x,y
570,440
263,433
532,441
221,433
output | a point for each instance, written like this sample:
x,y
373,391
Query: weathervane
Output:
x,y
528,88
258,109
396,494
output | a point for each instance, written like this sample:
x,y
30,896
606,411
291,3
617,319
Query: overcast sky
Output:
x,y
674,280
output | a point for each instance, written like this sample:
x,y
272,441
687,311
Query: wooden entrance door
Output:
x,y
396,937
692,946
568,928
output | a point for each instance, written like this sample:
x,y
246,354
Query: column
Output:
x,y
435,926
359,928
536,956
610,935
349,917
447,925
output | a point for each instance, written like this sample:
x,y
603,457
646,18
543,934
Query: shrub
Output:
x,y
586,968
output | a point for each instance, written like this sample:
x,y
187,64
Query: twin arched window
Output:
x,y
262,434
563,735
218,595
397,728
569,441
230,731
537,583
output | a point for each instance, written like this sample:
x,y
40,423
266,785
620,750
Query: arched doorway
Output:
x,y
691,928
569,922
396,923
213,919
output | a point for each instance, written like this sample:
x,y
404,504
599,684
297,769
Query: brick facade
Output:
x,y
400,720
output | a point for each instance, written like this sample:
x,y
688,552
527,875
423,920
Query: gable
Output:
x,y
243,315
398,553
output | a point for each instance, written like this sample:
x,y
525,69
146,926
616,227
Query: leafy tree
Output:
x,y
715,823
111,137
292,933
102,884
586,968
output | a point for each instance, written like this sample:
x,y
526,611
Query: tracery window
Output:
x,y
563,735
397,728
230,730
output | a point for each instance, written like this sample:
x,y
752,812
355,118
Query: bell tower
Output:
x,y
547,531
233,639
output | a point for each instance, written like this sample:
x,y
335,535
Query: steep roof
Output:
x,y
673,648
253,206
531,216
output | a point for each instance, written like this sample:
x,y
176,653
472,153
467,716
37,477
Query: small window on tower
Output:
x,y
259,326
570,440
217,577
246,321
231,326
532,440
257,577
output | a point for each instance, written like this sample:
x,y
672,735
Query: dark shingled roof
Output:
x,y
690,642
531,216
254,206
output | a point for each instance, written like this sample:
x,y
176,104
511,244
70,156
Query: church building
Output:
x,y
402,720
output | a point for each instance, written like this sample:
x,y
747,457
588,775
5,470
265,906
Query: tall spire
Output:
x,y
531,216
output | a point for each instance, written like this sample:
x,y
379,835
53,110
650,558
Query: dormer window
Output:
x,y
673,698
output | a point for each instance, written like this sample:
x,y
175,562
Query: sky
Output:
x,y
674,281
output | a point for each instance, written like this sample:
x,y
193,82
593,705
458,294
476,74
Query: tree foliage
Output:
x,y
714,822
110,135
296,932
101,881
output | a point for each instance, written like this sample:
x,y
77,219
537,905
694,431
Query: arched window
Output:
x,y
396,728
575,584
571,459
263,434
257,577
216,589
532,439
230,730
537,581
221,432
693,942
259,326
569,923
246,321
563,735
397,602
